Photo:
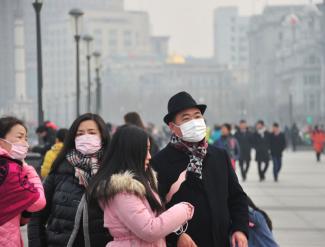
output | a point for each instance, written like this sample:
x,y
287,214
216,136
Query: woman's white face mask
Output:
x,y
193,130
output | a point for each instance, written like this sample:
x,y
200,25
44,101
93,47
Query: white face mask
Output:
x,y
194,130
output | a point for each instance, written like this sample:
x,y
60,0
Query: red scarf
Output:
x,y
17,193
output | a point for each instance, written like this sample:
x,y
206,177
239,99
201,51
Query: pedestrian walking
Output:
x,y
229,143
318,139
277,146
191,170
126,188
67,220
294,136
245,141
261,140
21,189
51,155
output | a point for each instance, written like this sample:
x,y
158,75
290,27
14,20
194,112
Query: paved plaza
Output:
x,y
296,203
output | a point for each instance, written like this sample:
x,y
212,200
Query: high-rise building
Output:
x,y
286,64
117,33
230,37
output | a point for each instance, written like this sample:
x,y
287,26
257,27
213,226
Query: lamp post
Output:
x,y
97,55
76,14
88,39
37,4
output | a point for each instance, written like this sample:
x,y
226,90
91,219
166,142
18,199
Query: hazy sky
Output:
x,y
189,23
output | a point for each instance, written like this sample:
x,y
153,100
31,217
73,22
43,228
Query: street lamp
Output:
x,y
38,6
97,55
88,39
76,14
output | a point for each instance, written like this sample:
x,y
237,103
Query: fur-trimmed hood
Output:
x,y
126,182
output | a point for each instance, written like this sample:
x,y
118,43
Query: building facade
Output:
x,y
286,64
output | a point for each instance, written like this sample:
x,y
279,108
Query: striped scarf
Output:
x,y
195,151
86,166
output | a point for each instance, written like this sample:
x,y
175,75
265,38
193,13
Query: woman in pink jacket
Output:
x,y
126,188
21,189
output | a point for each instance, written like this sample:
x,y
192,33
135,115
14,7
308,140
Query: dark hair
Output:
x,y
276,125
261,122
7,123
227,126
242,121
266,217
40,129
69,142
127,152
61,134
134,118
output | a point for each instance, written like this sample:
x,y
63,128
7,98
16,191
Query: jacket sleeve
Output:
x,y
237,201
36,227
46,166
132,211
35,179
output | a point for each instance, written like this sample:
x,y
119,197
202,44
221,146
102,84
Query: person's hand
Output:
x,y
240,239
185,241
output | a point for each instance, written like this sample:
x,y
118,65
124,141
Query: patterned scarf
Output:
x,y
85,166
195,151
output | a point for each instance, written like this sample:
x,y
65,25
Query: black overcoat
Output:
x,y
219,200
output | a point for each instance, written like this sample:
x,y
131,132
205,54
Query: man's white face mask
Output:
x,y
193,130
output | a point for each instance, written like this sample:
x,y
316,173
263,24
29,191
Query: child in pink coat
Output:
x,y
21,189
126,189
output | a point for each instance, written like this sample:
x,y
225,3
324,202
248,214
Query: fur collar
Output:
x,y
125,182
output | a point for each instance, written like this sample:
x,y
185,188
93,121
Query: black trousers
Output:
x,y
244,166
262,169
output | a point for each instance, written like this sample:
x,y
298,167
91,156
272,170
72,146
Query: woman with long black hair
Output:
x,y
126,189
67,220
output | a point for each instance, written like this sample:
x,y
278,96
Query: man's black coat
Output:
x,y
219,201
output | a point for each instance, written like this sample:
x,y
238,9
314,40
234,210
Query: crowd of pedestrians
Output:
x,y
102,185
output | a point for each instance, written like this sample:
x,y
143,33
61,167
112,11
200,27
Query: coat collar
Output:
x,y
126,183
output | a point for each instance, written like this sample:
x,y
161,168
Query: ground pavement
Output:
x,y
296,203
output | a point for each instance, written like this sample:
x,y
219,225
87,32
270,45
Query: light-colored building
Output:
x,y
286,64
230,37
117,34
145,86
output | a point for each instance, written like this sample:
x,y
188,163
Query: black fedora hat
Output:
x,y
179,102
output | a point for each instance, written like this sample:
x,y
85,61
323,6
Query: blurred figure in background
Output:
x,y
51,155
244,138
294,136
277,146
229,143
261,140
134,118
318,139
215,135
47,136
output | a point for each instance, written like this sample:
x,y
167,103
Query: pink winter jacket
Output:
x,y
10,235
131,221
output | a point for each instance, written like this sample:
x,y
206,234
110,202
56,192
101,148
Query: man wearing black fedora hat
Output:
x,y
190,170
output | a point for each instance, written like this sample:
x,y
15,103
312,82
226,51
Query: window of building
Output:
x,y
112,38
127,38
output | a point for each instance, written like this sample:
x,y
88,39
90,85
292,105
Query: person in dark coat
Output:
x,y
244,138
261,141
191,170
67,220
277,146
